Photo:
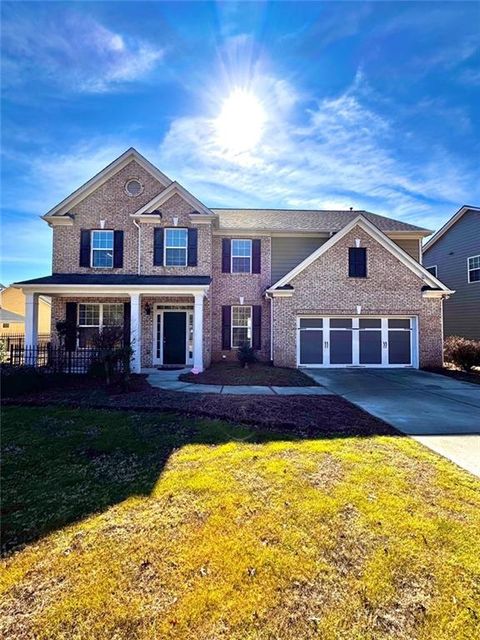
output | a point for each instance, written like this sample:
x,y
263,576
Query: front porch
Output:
x,y
165,325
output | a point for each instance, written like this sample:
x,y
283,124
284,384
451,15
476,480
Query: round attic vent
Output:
x,y
133,187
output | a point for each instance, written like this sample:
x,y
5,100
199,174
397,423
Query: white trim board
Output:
x,y
166,194
453,220
100,178
377,235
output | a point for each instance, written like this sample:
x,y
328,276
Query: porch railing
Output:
x,y
59,360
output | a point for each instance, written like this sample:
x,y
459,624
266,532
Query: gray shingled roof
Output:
x,y
10,317
303,220
117,279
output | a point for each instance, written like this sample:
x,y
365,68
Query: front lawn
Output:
x,y
256,374
150,525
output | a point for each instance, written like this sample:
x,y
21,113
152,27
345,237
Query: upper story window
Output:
x,y
357,262
241,256
176,247
133,187
474,269
102,249
432,270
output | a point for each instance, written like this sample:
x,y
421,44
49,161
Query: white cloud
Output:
x,y
345,152
73,50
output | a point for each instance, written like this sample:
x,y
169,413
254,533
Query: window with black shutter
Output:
x,y
357,262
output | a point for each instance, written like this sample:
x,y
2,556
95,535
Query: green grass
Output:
x,y
232,373
159,526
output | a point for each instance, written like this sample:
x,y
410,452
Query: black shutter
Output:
x,y
226,327
118,249
126,324
357,262
192,247
85,247
226,255
257,327
256,261
71,322
158,247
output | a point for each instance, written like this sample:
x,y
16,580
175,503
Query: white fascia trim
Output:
x,y
437,294
279,293
381,238
453,220
96,290
172,189
100,178
59,221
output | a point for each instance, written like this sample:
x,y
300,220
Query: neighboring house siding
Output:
x,y
13,299
412,247
450,253
324,288
110,203
227,288
288,252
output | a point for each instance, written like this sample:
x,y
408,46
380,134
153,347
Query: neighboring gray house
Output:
x,y
453,256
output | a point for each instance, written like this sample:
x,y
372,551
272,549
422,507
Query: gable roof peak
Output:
x,y
450,223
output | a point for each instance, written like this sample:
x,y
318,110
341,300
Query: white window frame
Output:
x,y
238,326
232,256
100,317
469,269
433,266
166,246
92,249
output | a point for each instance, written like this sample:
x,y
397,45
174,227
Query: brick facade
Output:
x,y
390,288
324,287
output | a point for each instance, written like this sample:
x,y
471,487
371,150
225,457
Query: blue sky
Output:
x,y
369,105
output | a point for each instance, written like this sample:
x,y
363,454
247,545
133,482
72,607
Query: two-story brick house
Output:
x,y
189,284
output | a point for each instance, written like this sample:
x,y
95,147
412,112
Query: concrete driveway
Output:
x,y
440,412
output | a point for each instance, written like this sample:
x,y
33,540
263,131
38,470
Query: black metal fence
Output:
x,y
18,339
59,360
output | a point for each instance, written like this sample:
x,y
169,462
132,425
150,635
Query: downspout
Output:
x,y
139,247
270,297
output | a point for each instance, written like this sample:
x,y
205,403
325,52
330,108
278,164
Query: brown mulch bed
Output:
x,y
258,374
305,415
462,376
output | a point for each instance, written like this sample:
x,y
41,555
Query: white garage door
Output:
x,y
360,342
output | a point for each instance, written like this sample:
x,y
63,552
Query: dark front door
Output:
x,y
174,337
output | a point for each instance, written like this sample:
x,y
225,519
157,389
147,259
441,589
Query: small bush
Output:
x,y
462,352
246,355
17,381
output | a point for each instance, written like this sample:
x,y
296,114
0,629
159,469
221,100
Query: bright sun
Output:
x,y
240,123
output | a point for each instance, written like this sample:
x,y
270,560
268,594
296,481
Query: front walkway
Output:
x,y
168,380
440,412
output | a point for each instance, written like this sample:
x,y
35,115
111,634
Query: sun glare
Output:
x,y
240,124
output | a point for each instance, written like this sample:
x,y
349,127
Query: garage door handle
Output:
x,y
325,345
385,345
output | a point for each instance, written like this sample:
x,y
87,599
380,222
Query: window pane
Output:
x,y
102,258
240,335
311,323
86,337
340,323
475,275
175,257
241,265
89,314
176,238
370,323
102,239
399,324
113,315
311,347
474,262
242,248
357,262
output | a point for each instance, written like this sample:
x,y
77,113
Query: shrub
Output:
x,y
17,381
246,355
462,352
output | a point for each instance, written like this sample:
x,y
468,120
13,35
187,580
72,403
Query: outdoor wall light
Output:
x,y
148,308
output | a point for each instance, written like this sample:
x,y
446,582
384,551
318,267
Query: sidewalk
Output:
x,y
169,381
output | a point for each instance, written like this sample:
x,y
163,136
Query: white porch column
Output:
x,y
198,332
136,332
31,326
